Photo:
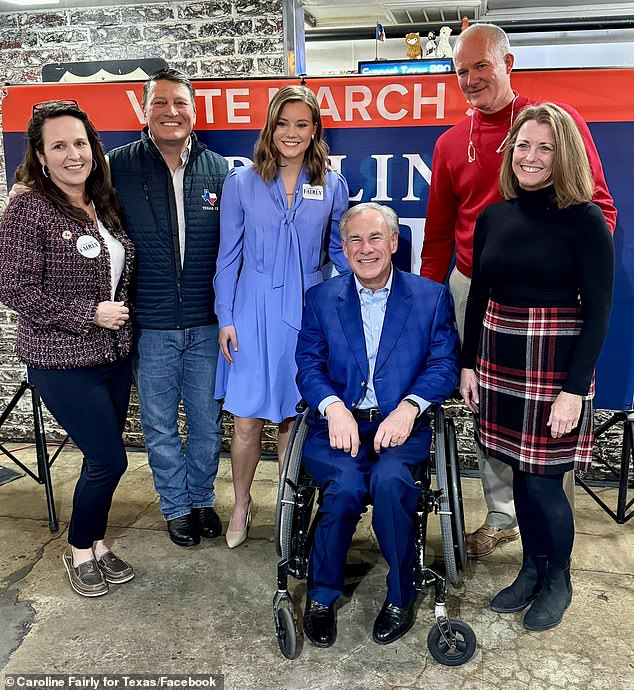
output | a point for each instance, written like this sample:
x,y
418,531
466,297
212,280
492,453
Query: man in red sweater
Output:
x,y
465,171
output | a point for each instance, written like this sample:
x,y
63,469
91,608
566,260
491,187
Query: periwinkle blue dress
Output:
x,y
269,256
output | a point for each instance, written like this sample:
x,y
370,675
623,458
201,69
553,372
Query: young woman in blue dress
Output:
x,y
279,219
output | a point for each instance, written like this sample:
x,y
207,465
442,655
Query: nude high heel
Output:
x,y
235,537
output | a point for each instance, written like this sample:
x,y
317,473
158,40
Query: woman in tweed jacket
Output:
x,y
65,265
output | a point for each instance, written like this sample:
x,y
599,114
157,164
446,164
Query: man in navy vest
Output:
x,y
169,186
376,347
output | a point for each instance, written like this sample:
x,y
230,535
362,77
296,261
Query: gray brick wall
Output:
x,y
223,38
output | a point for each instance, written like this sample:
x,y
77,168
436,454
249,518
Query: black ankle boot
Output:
x,y
548,609
524,589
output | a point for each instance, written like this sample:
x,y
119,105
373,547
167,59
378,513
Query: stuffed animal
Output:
x,y
430,46
414,50
443,49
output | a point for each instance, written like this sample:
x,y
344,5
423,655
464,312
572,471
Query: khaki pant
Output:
x,y
496,476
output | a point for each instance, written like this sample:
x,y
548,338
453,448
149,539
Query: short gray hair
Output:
x,y
496,35
390,217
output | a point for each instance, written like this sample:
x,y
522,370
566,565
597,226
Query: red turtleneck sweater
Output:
x,y
461,190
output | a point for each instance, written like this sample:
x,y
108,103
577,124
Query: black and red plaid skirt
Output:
x,y
523,364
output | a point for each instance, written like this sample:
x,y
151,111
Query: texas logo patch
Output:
x,y
210,198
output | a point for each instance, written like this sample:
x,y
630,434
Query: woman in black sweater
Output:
x,y
536,319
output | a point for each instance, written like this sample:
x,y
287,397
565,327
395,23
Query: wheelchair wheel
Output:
x,y
455,496
286,633
464,641
288,486
445,511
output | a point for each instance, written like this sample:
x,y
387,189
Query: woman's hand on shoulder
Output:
x,y
228,340
469,389
564,414
111,315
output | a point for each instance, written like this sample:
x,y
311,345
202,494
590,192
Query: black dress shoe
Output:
x,y
207,522
183,531
320,623
393,622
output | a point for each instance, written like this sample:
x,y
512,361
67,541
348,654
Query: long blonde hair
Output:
x,y
266,155
571,174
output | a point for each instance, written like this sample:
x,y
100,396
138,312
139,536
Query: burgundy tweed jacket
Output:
x,y
55,289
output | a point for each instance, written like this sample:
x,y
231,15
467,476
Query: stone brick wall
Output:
x,y
223,38
204,39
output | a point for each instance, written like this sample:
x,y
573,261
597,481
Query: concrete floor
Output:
x,y
208,609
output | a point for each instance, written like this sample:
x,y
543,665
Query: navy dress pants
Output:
x,y
91,404
348,484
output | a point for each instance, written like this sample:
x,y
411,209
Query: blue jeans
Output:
x,y
171,366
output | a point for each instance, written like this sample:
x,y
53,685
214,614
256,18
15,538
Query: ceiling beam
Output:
x,y
517,26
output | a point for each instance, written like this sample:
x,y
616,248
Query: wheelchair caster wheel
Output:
x,y
444,653
286,633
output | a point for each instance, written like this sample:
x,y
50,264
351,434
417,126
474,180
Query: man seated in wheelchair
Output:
x,y
376,348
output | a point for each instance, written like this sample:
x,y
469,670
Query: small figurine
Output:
x,y
443,49
414,50
430,46
465,24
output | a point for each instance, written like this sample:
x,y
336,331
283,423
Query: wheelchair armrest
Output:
x,y
432,411
436,415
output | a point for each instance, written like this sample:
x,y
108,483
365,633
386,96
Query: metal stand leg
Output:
x,y
44,463
627,456
14,401
43,467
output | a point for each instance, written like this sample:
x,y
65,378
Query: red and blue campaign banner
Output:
x,y
381,132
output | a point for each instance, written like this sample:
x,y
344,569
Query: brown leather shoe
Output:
x,y
115,570
86,579
484,540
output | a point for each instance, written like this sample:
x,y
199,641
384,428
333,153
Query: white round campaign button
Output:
x,y
88,246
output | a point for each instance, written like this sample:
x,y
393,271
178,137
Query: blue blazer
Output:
x,y
418,351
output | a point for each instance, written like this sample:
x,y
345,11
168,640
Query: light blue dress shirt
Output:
x,y
373,306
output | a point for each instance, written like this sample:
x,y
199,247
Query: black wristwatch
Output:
x,y
415,404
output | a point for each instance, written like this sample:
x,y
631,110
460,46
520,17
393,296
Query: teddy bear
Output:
x,y
443,49
430,46
414,50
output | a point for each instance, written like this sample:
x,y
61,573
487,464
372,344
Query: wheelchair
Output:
x,y
450,641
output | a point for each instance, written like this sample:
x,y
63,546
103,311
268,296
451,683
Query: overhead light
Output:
x,y
25,3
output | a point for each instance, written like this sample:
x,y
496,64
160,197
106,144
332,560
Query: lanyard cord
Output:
x,y
471,149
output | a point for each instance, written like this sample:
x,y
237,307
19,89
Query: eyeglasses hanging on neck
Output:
x,y
471,149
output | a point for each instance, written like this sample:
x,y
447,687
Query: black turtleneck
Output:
x,y
529,253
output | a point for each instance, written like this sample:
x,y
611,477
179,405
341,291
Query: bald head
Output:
x,y
483,61
490,34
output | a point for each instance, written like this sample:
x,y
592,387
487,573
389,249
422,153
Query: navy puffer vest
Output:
x,y
164,294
